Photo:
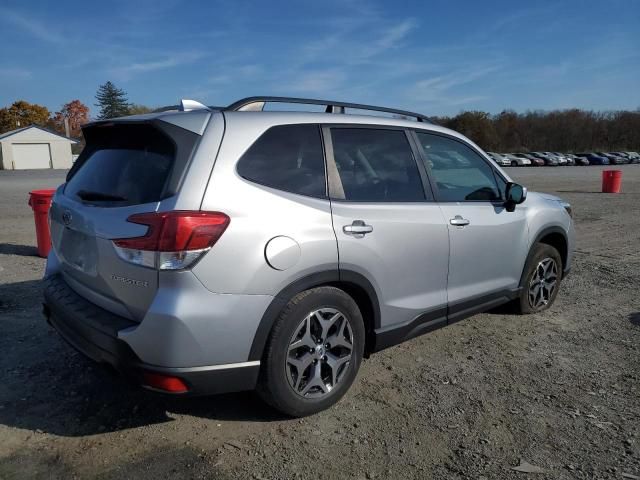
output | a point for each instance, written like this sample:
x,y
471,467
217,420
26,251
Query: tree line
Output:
x,y
111,102
571,130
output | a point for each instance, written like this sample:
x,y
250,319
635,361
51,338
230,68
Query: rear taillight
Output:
x,y
174,240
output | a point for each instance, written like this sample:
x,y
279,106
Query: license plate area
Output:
x,y
79,251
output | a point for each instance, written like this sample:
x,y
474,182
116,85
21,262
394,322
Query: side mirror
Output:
x,y
515,195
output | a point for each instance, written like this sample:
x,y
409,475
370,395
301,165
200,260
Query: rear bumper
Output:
x,y
93,331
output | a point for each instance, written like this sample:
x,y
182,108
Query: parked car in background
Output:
x,y
499,159
535,161
517,161
633,156
595,159
565,159
613,158
549,160
562,161
624,155
579,161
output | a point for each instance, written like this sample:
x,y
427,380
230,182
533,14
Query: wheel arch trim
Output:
x,y
335,278
555,229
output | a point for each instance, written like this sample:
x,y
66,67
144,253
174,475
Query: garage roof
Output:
x,y
8,134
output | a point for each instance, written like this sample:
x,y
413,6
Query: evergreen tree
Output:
x,y
112,101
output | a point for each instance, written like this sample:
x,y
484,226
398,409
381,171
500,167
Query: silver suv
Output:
x,y
203,250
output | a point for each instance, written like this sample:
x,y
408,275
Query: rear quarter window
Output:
x,y
288,158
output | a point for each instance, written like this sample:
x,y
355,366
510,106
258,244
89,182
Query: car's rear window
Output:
x,y
123,165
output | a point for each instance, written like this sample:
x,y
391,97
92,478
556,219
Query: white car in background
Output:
x,y
516,161
499,159
562,160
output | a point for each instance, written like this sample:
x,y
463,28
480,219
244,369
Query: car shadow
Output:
x,y
22,250
509,308
578,191
48,387
634,318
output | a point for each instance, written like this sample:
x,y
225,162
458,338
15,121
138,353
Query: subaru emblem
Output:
x,y
67,217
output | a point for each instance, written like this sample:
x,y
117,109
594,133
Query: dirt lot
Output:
x,y
560,390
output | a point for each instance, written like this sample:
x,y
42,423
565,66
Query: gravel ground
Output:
x,y
558,391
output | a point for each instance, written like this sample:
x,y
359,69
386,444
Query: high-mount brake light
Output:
x,y
174,240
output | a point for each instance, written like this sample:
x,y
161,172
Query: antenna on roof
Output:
x,y
188,105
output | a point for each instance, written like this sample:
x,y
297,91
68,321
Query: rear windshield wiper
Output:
x,y
99,196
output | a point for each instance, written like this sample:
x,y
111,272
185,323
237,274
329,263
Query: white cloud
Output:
x,y
393,35
32,26
356,41
14,73
441,90
170,61
441,83
316,82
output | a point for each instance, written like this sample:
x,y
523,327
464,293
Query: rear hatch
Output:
x,y
126,168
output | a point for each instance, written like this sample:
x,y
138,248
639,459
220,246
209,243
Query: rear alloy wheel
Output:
x,y
313,353
319,352
541,279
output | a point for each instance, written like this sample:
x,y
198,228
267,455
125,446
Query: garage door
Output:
x,y
31,155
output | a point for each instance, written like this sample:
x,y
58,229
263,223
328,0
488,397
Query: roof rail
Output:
x,y
256,104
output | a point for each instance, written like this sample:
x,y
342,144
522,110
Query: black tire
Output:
x,y
514,163
539,253
274,385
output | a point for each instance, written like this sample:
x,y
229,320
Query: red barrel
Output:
x,y
611,181
40,202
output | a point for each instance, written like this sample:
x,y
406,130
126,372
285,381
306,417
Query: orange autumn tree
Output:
x,y
77,113
22,114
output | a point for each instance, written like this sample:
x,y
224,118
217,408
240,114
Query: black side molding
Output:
x,y
381,338
426,322
465,309
440,317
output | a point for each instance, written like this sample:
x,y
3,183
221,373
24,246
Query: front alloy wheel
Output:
x,y
543,283
540,280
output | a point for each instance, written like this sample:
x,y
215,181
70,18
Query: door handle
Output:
x,y
458,221
357,228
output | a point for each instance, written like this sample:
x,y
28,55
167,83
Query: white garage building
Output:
x,y
34,147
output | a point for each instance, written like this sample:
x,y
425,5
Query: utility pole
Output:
x,y
66,127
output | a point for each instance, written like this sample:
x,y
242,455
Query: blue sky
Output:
x,y
437,57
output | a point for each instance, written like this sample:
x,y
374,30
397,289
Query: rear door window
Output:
x,y
123,165
376,165
289,158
